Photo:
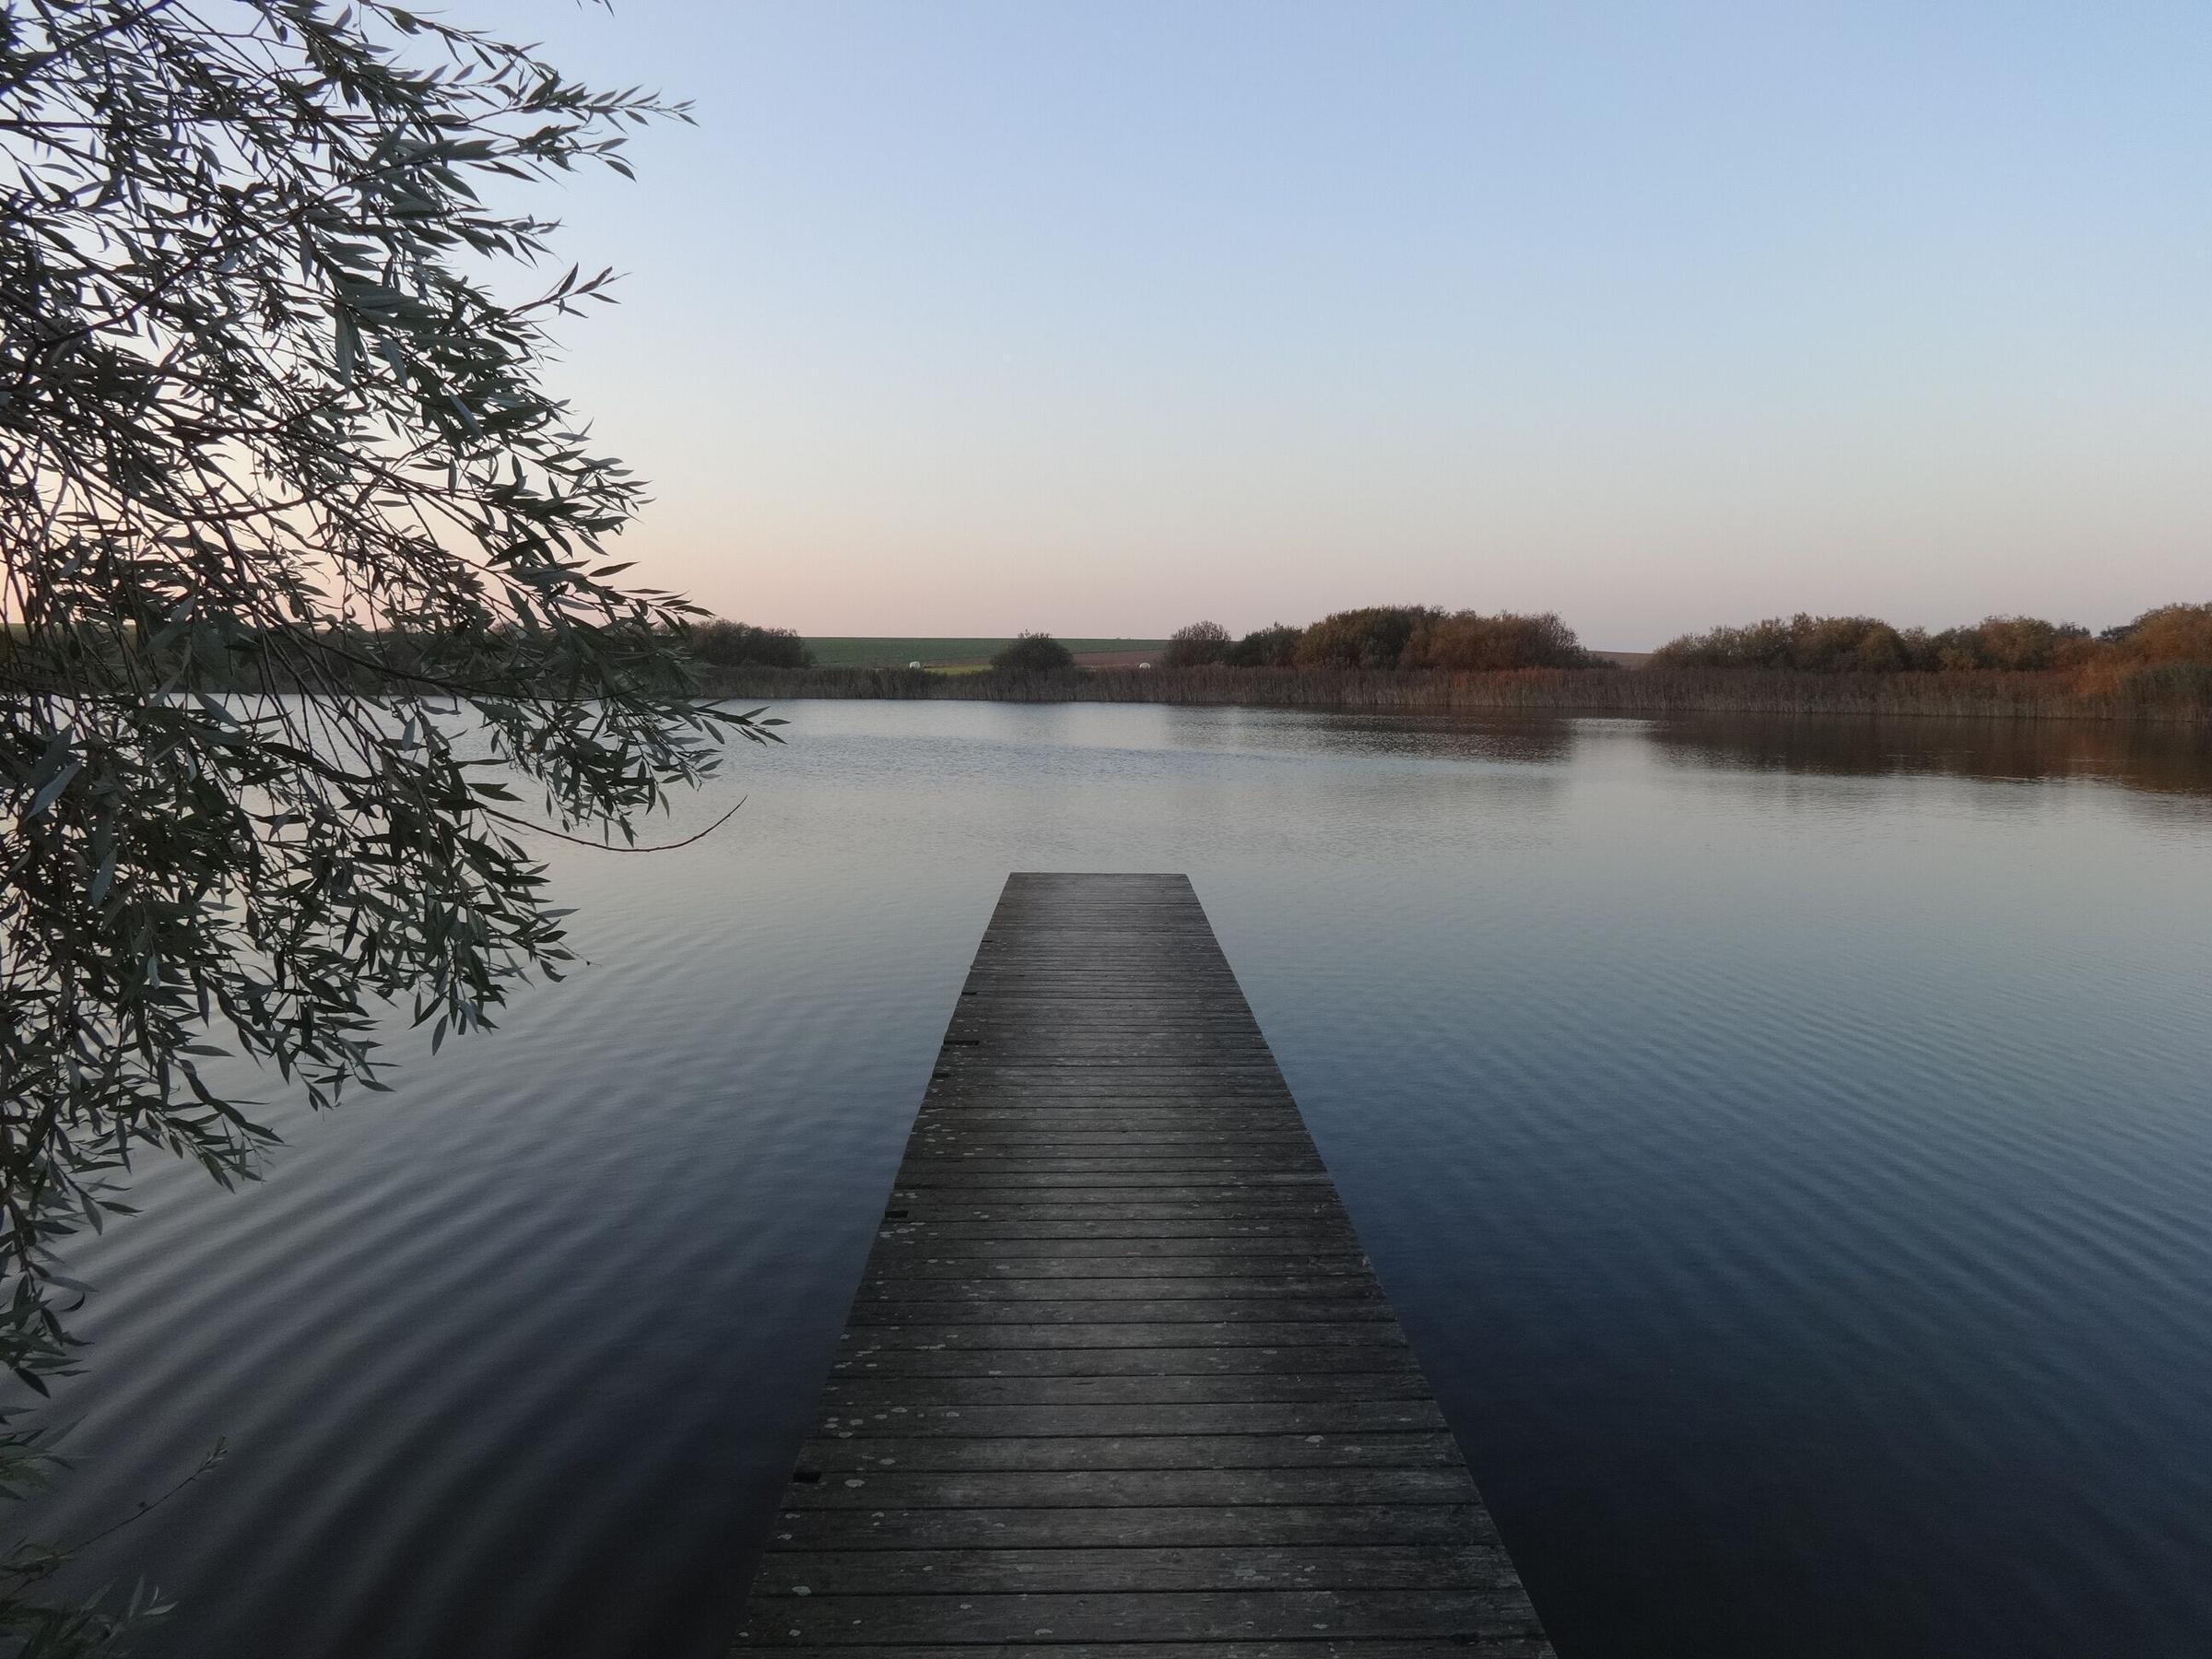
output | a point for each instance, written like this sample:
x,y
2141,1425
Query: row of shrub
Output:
x,y
1416,636
1388,637
1377,637
1808,644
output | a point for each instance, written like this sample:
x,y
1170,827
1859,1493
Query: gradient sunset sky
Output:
x,y
956,318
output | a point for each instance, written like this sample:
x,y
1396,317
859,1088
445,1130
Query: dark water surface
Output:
x,y
1790,1147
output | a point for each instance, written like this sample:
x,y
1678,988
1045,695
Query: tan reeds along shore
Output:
x,y
2176,694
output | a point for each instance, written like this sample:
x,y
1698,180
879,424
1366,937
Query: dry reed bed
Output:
x,y
2166,694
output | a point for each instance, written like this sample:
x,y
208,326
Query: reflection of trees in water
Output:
x,y
2167,760
1534,739
2171,759
1539,740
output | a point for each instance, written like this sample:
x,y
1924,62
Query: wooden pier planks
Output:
x,y
1119,1382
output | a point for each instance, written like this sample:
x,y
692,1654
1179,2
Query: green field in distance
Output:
x,y
861,651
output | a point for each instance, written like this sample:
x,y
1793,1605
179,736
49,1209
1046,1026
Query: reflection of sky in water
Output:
x,y
1787,1143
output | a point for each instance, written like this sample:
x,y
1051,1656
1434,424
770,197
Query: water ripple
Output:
x,y
1791,1154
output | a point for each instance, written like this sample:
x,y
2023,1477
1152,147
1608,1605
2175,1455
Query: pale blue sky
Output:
x,y
956,318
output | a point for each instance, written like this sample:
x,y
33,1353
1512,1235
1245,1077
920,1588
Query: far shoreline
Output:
x,y
2180,695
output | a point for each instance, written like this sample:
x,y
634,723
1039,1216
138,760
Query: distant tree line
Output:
x,y
1388,637
1410,638
1809,644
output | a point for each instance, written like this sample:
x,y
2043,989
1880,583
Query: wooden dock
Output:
x,y
1119,1383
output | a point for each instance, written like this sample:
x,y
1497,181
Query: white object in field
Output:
x,y
916,663
1144,665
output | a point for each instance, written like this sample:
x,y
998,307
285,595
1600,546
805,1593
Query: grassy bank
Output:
x,y
2165,694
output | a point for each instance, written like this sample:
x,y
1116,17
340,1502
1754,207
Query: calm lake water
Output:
x,y
1790,1146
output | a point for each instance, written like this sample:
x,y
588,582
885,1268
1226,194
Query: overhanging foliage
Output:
x,y
307,584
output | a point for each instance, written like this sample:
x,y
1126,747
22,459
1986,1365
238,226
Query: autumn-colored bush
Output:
x,y
1807,643
1195,645
1810,644
1469,642
1274,646
2172,633
1423,636
2021,644
1373,637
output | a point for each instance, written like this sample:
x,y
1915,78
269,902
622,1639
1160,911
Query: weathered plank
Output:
x,y
1292,1205
869,1393
1037,1454
1218,1359
982,1278
1134,1616
994,1336
1129,1526
1119,1383
1062,1229
996,1571
1207,1306
1363,1417
1022,1298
